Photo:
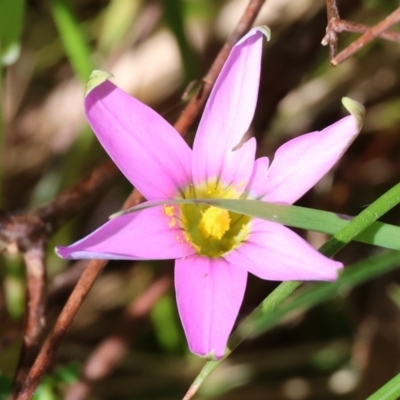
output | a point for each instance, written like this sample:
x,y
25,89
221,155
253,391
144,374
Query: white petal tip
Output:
x,y
117,214
264,30
60,251
356,109
96,78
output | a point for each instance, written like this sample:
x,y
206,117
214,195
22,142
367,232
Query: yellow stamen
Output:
x,y
211,231
169,210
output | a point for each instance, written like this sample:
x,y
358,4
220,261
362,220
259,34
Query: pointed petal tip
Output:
x,y
117,214
96,78
356,109
61,251
264,29
339,268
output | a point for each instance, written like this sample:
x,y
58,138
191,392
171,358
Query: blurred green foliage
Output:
x,y
12,17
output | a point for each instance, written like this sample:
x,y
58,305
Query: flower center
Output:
x,y
215,222
212,231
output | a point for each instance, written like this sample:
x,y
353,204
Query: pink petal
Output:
x,y
258,180
229,110
146,148
209,293
276,253
300,163
142,235
240,164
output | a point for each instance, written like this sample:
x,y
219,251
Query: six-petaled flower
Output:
x,y
214,248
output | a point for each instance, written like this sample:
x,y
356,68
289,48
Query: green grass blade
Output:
x,y
174,15
274,309
269,312
363,228
73,38
389,391
315,294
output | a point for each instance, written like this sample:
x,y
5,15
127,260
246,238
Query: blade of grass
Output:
x,y
389,391
174,16
269,309
73,39
343,226
272,311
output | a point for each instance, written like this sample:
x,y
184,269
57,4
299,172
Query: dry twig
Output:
x,y
110,352
35,320
367,37
337,25
29,232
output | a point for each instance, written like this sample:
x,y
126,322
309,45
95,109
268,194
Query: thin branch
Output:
x,y
367,37
331,34
29,232
102,362
74,199
336,25
340,25
27,229
49,348
196,104
35,320
47,353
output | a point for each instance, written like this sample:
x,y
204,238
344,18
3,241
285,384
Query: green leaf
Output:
x,y
174,12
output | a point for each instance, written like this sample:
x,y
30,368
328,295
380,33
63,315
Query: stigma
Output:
x,y
212,231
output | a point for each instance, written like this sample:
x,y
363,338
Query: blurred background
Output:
x,y
127,341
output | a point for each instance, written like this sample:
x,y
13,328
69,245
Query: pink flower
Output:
x,y
214,249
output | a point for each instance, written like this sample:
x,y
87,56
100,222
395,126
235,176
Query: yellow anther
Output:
x,y
169,210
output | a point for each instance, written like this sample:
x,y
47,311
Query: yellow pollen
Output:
x,y
169,210
214,222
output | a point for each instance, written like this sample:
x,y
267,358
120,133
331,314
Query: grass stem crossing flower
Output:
x,y
214,249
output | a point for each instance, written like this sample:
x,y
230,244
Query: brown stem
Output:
x,y
110,352
331,34
196,104
47,353
339,25
367,37
35,320
72,200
